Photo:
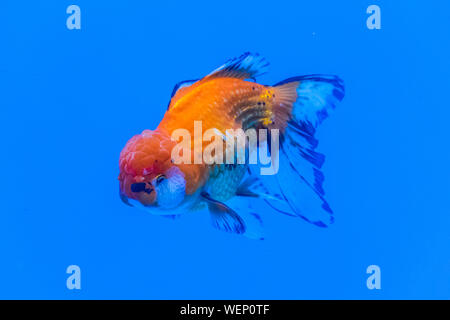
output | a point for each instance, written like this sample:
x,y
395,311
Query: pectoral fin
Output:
x,y
223,217
226,219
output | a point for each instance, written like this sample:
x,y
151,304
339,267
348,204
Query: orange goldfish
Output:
x,y
230,98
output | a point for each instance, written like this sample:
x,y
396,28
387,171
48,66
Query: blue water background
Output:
x,y
70,99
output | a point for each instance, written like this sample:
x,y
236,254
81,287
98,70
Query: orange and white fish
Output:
x,y
228,99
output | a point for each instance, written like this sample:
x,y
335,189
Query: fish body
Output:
x,y
226,100
219,103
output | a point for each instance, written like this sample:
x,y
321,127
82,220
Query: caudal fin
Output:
x,y
301,104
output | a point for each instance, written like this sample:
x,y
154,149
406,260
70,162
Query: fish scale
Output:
x,y
224,180
217,103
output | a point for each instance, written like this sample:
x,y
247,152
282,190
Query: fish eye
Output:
x,y
160,178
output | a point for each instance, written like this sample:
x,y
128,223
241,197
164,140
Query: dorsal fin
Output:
x,y
178,89
247,66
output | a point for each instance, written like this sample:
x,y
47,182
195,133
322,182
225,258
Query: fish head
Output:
x,y
148,177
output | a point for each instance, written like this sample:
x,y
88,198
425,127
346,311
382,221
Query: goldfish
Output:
x,y
153,178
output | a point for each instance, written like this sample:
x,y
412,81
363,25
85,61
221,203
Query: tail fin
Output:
x,y
301,104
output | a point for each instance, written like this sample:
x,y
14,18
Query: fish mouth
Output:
x,y
135,202
154,208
